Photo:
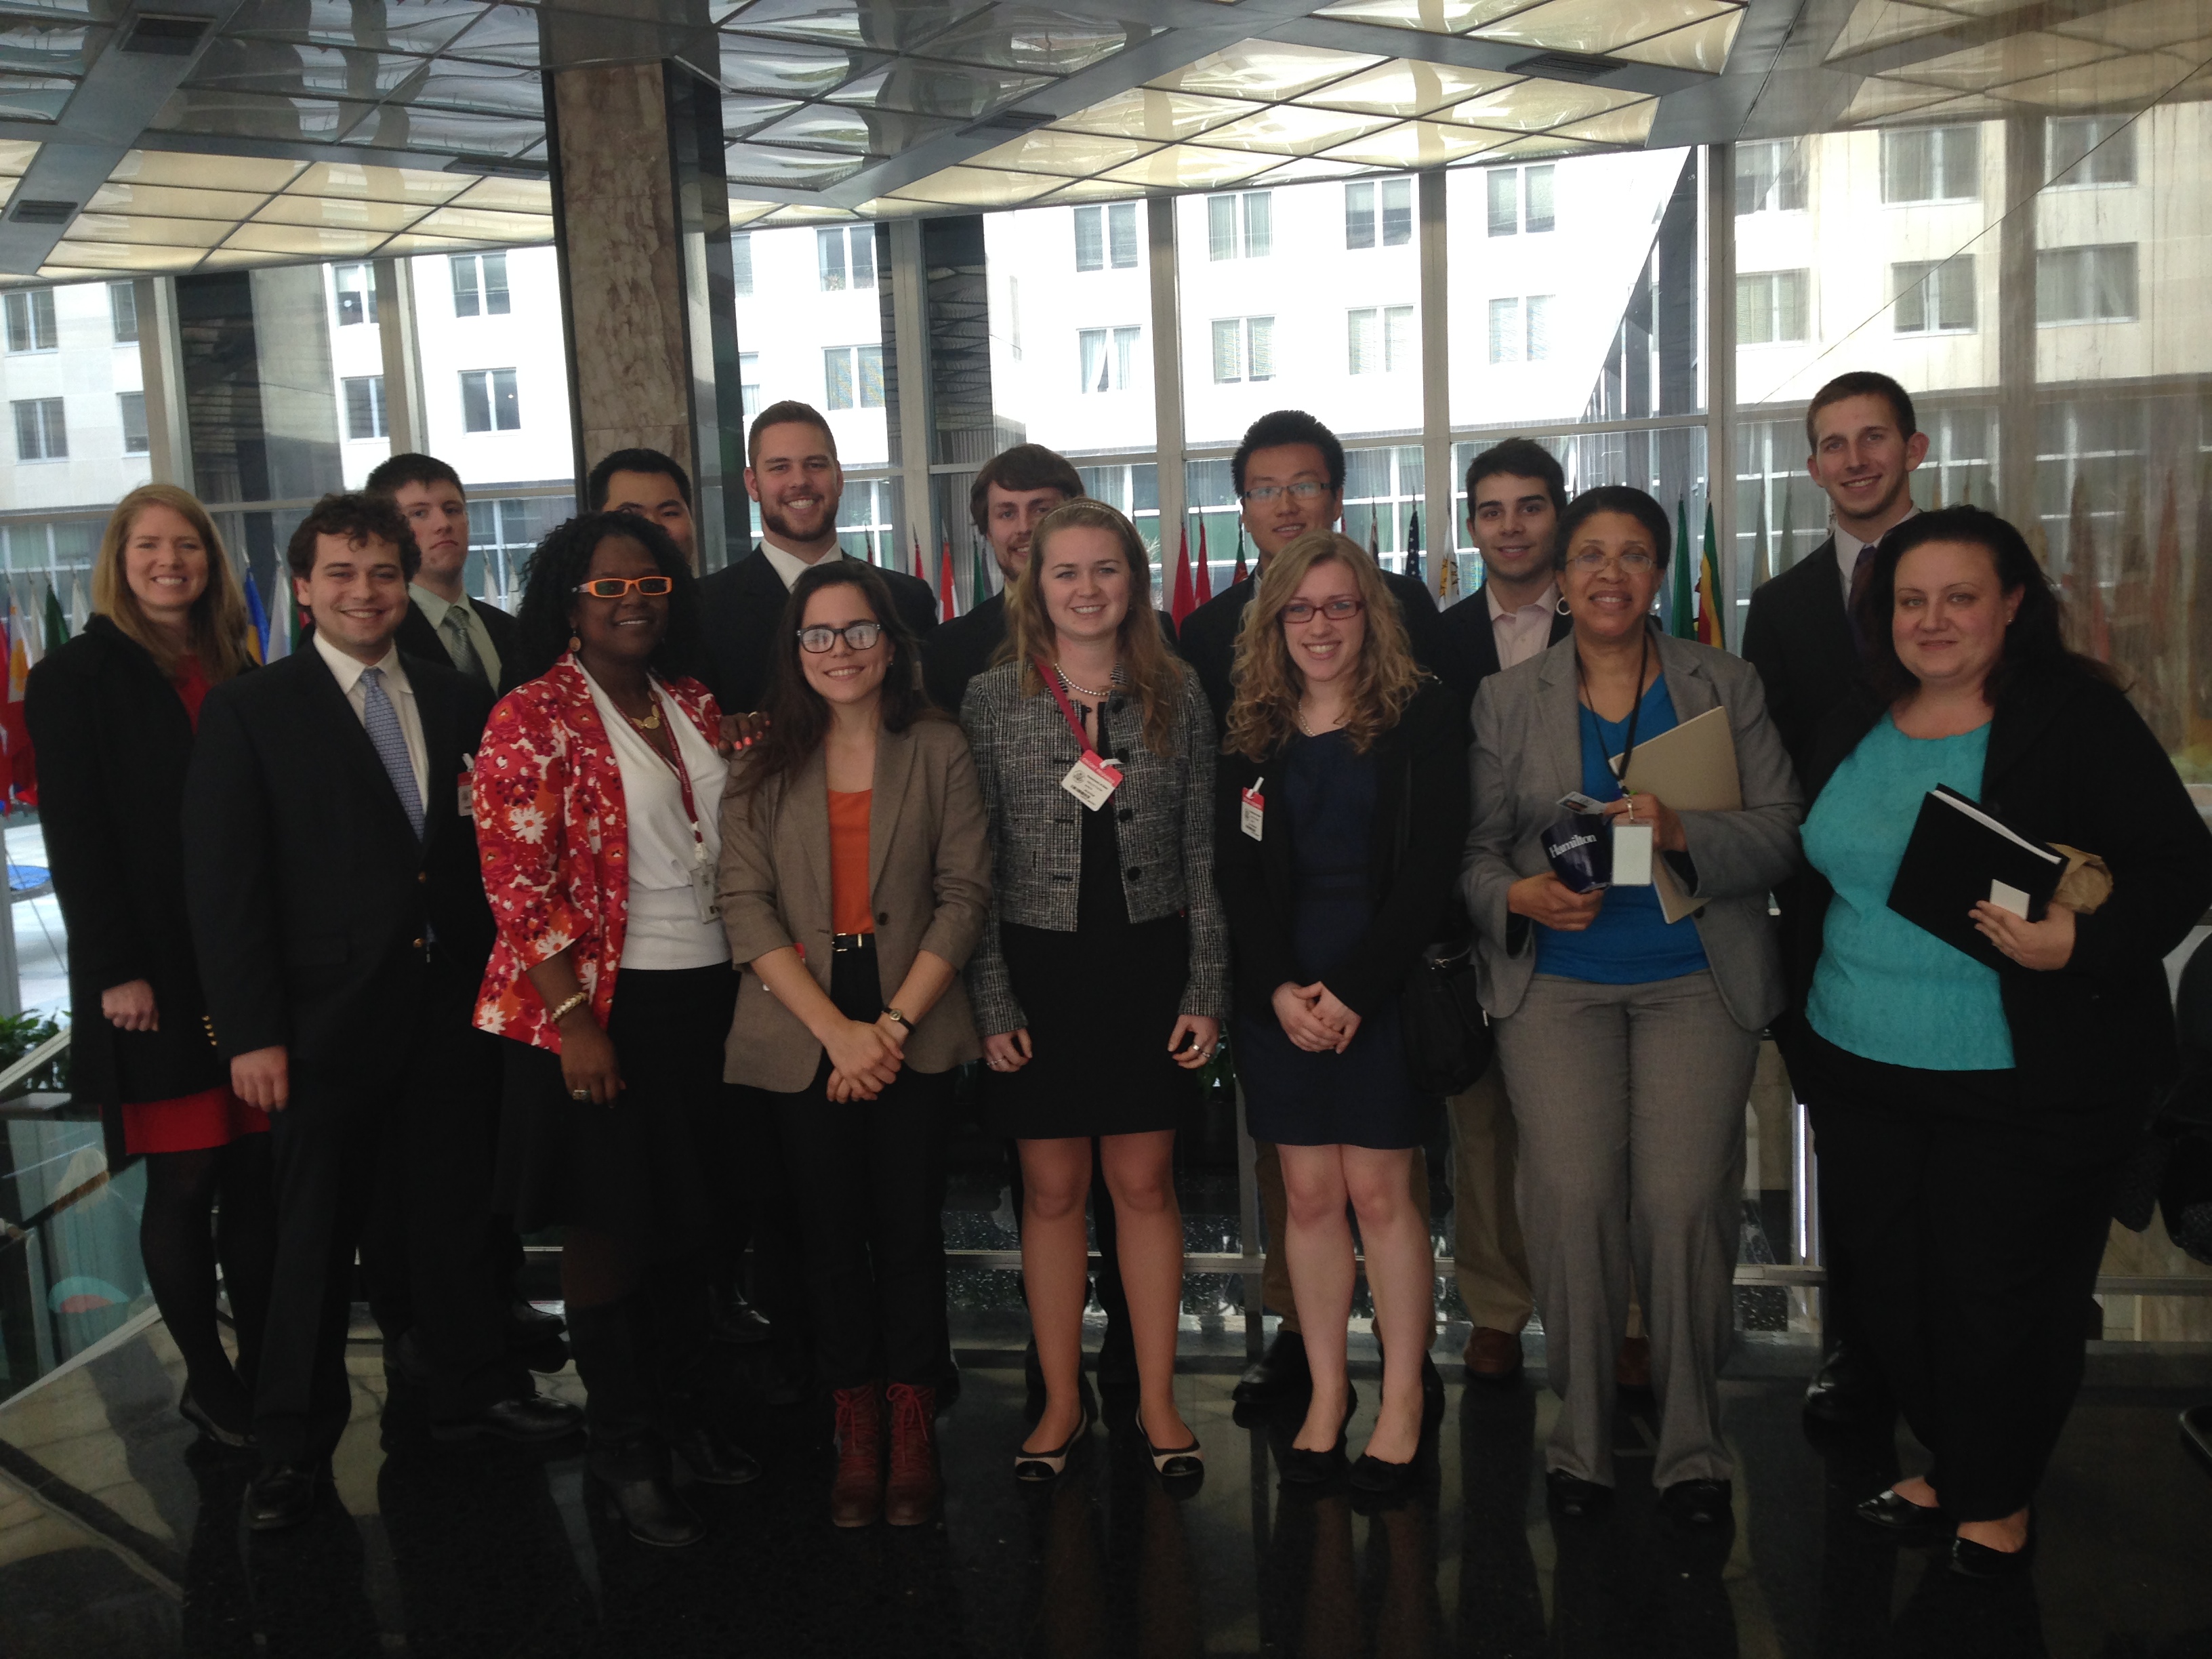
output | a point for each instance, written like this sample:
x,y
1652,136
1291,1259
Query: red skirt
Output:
x,y
190,1123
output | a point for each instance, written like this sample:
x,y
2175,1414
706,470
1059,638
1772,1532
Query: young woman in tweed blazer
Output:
x,y
1101,981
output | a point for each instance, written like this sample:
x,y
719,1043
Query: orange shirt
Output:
x,y
849,897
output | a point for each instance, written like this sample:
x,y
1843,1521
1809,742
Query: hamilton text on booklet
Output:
x,y
1959,855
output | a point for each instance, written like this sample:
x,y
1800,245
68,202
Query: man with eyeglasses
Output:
x,y
1288,476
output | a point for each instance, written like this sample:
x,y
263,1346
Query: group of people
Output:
x,y
672,894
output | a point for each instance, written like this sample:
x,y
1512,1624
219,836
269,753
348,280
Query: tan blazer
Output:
x,y
929,885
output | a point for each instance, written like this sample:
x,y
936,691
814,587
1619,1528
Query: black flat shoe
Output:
x,y
1985,1565
1040,1466
210,1431
1304,1467
734,1322
530,1420
1922,1523
1372,1474
652,1513
282,1495
713,1457
1278,1376
1572,1498
1700,1503
1174,1462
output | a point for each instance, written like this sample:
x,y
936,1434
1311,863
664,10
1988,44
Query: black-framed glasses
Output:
x,y
1297,610
613,588
1304,490
861,635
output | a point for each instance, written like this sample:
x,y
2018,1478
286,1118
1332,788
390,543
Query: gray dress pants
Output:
x,y
1630,1100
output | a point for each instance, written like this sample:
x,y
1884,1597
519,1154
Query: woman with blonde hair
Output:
x,y
113,715
1100,980
1343,810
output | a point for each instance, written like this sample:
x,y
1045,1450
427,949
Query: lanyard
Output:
x,y
1635,713
1051,677
676,766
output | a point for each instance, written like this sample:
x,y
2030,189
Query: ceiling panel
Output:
x,y
509,195
923,87
1289,130
1532,106
1598,25
1073,155
105,257
852,131
1036,41
1190,166
355,181
397,126
482,88
1149,112
159,166
1429,16
2116,84
16,155
744,113
978,187
787,68
897,28
1703,46
504,34
1420,144
1264,69
2015,58
2144,25
1630,125
482,225
147,229
34,97
306,240
224,206
282,66
803,169
227,113
414,26
48,45
335,213
1406,87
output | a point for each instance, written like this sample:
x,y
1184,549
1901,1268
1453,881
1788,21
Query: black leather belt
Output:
x,y
841,943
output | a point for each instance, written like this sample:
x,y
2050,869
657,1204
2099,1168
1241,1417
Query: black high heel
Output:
x,y
210,1431
1985,1565
1305,1468
1040,1466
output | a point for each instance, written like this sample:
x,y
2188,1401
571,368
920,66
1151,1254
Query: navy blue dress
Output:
x,y
1363,1097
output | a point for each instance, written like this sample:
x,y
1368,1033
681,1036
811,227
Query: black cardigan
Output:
x,y
2070,759
1416,897
113,742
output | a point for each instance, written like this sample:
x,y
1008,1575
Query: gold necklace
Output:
x,y
650,723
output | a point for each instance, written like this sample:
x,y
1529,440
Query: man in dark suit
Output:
x,y
443,621
1865,445
342,928
1515,492
792,471
1016,488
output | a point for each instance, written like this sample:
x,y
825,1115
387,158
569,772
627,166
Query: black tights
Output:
x,y
181,1249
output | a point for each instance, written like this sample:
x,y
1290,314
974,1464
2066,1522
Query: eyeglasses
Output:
x,y
1628,564
613,588
861,635
1297,610
1304,490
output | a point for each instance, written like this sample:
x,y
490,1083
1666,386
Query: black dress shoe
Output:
x,y
1432,1390
211,1432
282,1495
1700,1503
1572,1498
734,1322
1902,1517
1981,1563
713,1457
1846,1391
650,1511
1278,1376
1372,1474
529,1325
1304,1467
532,1419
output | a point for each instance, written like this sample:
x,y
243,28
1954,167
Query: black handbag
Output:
x,y
1447,1035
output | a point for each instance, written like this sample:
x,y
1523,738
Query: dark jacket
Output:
x,y
113,742
1207,638
2070,759
1420,763
740,608
417,638
1799,638
1474,642
963,647
311,901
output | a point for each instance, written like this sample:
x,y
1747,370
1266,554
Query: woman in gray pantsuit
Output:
x,y
1628,1042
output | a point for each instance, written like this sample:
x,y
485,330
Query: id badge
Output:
x,y
704,899
465,802
1092,780
1251,816
1631,855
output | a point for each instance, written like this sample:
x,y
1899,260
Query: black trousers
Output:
x,y
867,1179
1973,1235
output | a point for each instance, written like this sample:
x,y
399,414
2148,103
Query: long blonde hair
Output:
x,y
216,627
1149,669
1265,711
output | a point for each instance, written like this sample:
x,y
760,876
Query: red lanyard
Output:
x,y
1051,677
676,766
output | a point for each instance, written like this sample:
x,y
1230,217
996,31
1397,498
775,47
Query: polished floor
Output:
x,y
119,1536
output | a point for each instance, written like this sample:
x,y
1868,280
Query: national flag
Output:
x,y
1712,618
80,612
1787,553
257,642
282,620
20,773
57,628
1762,557
1414,545
1374,535
920,570
1204,590
1679,623
1243,574
1186,600
1448,582
979,577
950,595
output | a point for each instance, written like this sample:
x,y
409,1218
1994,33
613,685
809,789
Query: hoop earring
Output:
x,y
1560,606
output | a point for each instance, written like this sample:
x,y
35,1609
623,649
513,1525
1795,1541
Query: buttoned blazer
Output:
x,y
929,889
1164,815
1528,752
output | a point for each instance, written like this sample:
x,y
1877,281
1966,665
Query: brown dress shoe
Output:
x,y
857,1498
1493,1355
910,1500
1631,1369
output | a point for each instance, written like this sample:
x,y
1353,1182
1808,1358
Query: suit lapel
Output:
x,y
1558,720
1689,687
894,770
806,813
441,713
1481,637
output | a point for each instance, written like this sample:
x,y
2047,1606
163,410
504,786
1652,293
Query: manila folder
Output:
x,y
1693,770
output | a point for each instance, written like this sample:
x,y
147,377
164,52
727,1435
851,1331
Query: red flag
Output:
x,y
19,774
1243,574
1185,600
952,595
920,570
1205,569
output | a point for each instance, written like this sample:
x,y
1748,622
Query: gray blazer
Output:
x,y
1165,822
929,874
1527,753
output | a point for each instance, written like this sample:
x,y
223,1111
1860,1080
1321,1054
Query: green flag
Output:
x,y
56,623
979,580
1679,623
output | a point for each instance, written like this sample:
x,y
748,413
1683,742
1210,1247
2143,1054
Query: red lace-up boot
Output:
x,y
912,1498
857,1500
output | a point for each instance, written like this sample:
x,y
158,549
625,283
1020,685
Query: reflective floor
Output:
x,y
118,1536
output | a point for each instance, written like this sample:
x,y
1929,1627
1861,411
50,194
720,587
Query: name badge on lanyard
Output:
x,y
1250,813
705,900
1091,779
466,803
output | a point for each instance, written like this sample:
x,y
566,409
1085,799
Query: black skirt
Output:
x,y
638,1169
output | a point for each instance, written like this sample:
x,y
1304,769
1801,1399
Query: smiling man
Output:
x,y
478,638
1016,488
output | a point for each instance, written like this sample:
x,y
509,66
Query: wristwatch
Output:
x,y
904,1022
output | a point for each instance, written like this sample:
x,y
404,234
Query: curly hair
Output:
x,y
549,592
1264,715
218,621
357,518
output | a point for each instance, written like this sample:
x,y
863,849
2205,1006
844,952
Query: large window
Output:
x,y
853,377
845,257
2086,284
1378,215
1109,358
1240,226
488,401
1521,329
1773,308
2082,151
357,292
1106,237
1381,340
1243,350
41,431
31,320
1932,164
1520,200
480,285
123,312
364,407
1770,177
741,260
1935,296
810,306
131,411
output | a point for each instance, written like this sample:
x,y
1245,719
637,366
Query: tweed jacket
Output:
x,y
1164,815
929,889
1527,753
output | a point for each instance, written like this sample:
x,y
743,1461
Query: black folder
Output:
x,y
1957,857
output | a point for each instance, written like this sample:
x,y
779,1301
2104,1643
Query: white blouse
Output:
x,y
664,930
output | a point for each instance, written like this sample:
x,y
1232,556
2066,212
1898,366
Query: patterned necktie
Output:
x,y
460,647
1861,570
382,721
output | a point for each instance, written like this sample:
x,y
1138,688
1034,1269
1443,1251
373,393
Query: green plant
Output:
x,y
19,1034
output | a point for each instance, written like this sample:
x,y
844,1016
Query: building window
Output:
x,y
1772,308
1934,296
31,321
853,377
1243,350
2081,151
488,401
1770,178
364,406
741,259
1392,199
131,405
1379,340
1521,329
748,383
1106,236
845,256
1240,226
480,285
1932,164
356,287
123,312
1109,357
41,434
2086,284
1521,199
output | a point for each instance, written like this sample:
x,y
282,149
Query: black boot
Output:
x,y
676,1356
628,1458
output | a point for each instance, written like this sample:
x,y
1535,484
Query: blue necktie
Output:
x,y
382,721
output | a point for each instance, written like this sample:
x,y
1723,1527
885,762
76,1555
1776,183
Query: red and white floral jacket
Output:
x,y
554,835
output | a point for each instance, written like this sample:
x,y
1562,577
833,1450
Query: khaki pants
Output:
x,y
1491,1260
1275,1282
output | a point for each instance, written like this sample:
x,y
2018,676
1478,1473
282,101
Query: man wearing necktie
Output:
x,y
1803,637
342,928
442,620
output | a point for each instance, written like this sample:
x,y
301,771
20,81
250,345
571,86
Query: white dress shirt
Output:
x,y
664,929
1847,553
434,607
790,566
348,671
1524,631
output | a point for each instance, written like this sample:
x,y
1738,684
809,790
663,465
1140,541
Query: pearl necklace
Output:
x,y
1079,691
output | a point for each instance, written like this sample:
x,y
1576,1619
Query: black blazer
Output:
x,y
113,742
2070,759
1422,762
1799,638
740,608
1207,638
311,898
963,647
417,638
1466,624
